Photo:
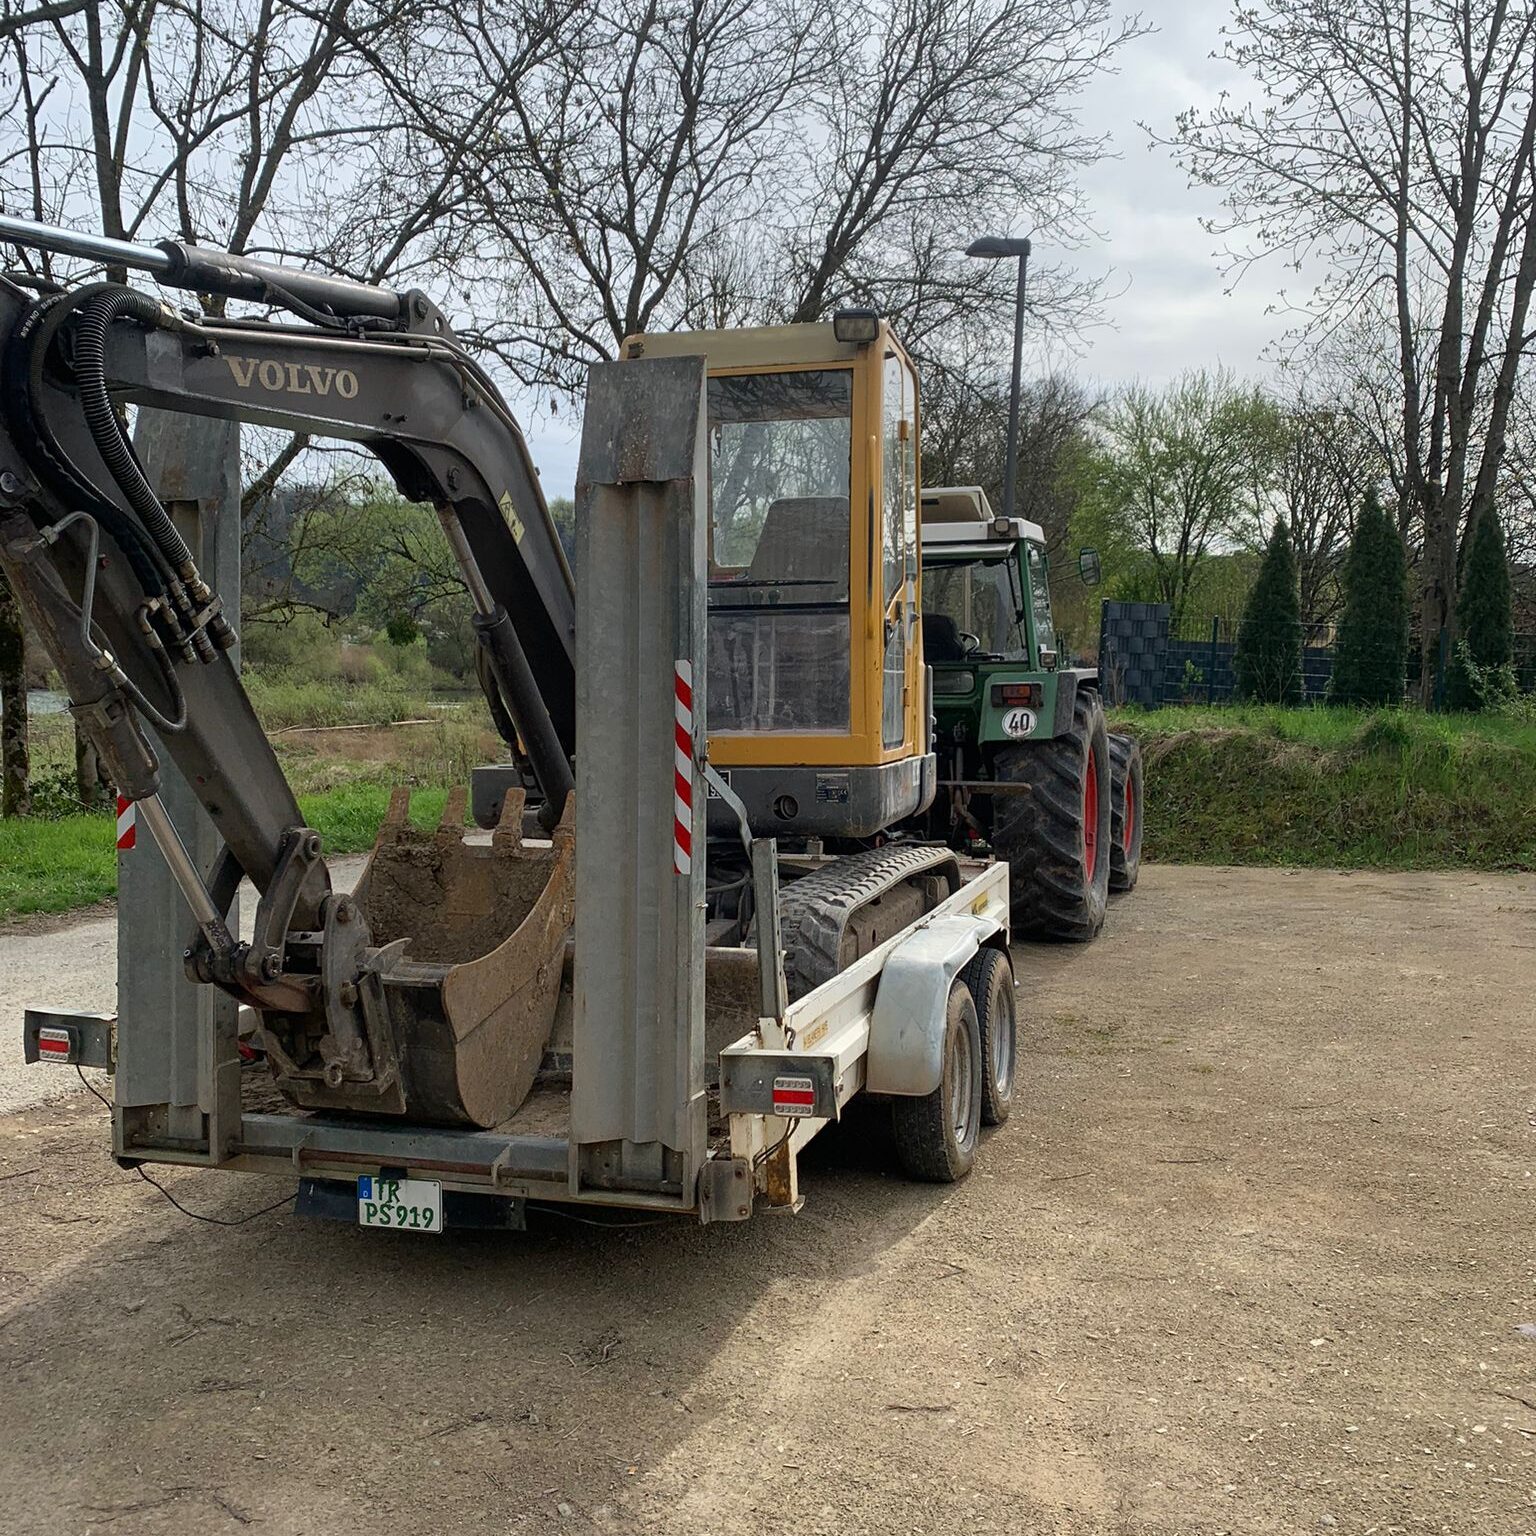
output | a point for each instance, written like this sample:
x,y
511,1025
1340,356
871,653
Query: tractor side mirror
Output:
x,y
1089,567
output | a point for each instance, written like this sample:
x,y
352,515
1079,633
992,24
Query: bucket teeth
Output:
x,y
509,825
450,827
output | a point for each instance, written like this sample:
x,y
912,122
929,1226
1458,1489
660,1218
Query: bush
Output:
x,y
1475,688
402,629
1481,674
1370,661
1268,656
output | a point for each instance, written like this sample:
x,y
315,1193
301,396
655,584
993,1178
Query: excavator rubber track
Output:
x,y
820,913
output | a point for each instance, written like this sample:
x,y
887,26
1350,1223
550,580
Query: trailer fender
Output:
x,y
906,1030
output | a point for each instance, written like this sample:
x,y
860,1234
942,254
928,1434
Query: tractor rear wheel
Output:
x,y
1125,820
1054,831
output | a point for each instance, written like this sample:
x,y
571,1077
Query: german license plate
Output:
x,y
413,1204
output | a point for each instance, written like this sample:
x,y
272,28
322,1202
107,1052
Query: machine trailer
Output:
x,y
694,933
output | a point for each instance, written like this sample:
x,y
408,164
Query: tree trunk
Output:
x,y
15,764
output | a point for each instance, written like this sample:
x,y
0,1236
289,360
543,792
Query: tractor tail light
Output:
x,y
1009,695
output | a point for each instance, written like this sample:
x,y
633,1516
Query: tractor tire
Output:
x,y
1125,812
990,978
936,1135
1054,828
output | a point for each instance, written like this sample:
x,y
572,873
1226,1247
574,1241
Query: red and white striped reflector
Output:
x,y
55,1044
793,1096
682,770
127,823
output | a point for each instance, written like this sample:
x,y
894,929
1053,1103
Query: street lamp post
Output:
x,y
992,248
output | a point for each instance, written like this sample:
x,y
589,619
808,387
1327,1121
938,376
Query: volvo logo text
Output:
x,y
292,378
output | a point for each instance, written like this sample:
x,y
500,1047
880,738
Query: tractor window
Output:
x,y
1040,593
980,601
779,637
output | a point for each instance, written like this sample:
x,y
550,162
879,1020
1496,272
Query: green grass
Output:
x,y
1245,785
55,866
62,858
1386,789
52,866
284,701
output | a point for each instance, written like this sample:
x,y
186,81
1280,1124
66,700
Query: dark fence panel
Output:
x,y
1141,662
1133,644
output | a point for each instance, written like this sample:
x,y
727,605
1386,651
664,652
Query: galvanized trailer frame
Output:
x,y
858,1032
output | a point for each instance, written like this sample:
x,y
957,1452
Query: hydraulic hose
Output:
x,y
107,431
21,376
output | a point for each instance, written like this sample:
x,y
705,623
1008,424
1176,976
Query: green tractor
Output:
x,y
1026,766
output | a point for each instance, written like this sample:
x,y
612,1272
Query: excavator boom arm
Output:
x,y
413,399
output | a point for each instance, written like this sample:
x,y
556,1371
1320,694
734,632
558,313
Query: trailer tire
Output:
x,y
990,978
1125,812
1054,829
936,1135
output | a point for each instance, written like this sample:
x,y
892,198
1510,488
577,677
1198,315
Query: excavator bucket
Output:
x,y
471,939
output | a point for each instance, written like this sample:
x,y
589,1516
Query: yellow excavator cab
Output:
x,y
817,707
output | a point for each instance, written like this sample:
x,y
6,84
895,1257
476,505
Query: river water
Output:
x,y
44,701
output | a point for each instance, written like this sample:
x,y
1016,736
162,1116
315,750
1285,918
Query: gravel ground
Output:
x,y
70,963
1251,1256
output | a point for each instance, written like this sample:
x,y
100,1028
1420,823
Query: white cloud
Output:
x,y
1176,311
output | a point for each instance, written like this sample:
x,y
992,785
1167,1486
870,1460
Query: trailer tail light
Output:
x,y
70,1039
1017,695
55,1045
794,1095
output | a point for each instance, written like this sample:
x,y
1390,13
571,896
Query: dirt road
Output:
x,y
1250,1257
70,964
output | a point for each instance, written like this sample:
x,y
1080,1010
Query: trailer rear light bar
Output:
x,y
70,1039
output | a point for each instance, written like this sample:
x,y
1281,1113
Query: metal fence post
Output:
x,y
1210,670
178,1063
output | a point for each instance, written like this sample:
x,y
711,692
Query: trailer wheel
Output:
x,y
1125,812
990,979
1054,828
936,1135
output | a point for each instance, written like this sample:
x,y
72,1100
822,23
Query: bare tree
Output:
x,y
1325,466
714,162
633,152
1395,141
941,120
965,435
268,127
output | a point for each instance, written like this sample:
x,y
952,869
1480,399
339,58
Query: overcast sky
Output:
x,y
1173,311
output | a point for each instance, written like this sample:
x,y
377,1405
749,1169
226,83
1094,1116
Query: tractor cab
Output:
x,y
987,628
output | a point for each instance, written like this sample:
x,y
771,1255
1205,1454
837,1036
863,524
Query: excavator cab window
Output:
x,y
779,627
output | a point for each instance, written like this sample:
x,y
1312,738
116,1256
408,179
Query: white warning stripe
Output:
x,y
682,769
127,823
